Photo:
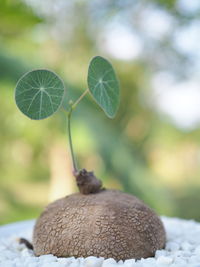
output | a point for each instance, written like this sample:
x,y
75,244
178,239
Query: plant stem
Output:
x,y
70,141
79,99
73,106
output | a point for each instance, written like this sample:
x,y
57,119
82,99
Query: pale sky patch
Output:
x,y
188,6
180,101
156,23
121,43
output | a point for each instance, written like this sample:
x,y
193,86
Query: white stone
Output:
x,y
160,253
65,261
25,253
194,259
172,246
2,247
81,261
109,263
9,254
164,260
93,261
197,250
186,246
51,264
74,264
178,254
149,261
7,263
129,263
29,260
180,261
33,264
47,258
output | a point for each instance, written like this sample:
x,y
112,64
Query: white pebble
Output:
x,y
109,263
65,261
180,261
149,261
172,246
9,255
19,247
129,263
164,260
186,246
74,264
29,260
178,254
2,248
160,253
7,263
194,259
93,261
33,264
51,264
25,253
197,251
81,261
47,258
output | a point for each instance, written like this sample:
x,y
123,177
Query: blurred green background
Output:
x,y
151,149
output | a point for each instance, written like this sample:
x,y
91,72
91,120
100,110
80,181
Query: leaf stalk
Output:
x,y
79,99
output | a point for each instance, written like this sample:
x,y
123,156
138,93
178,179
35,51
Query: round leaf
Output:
x,y
103,85
39,94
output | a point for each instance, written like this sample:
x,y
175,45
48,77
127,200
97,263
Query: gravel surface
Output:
x,y
182,249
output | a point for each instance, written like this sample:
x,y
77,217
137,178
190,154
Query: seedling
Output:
x,y
96,221
40,93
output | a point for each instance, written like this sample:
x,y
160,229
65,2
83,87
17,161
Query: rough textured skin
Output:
x,y
106,224
87,182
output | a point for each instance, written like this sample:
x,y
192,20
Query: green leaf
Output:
x,y
103,85
39,93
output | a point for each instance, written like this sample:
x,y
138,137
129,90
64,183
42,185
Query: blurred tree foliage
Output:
x,y
140,151
16,18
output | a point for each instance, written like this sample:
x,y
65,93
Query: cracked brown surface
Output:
x,y
108,224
